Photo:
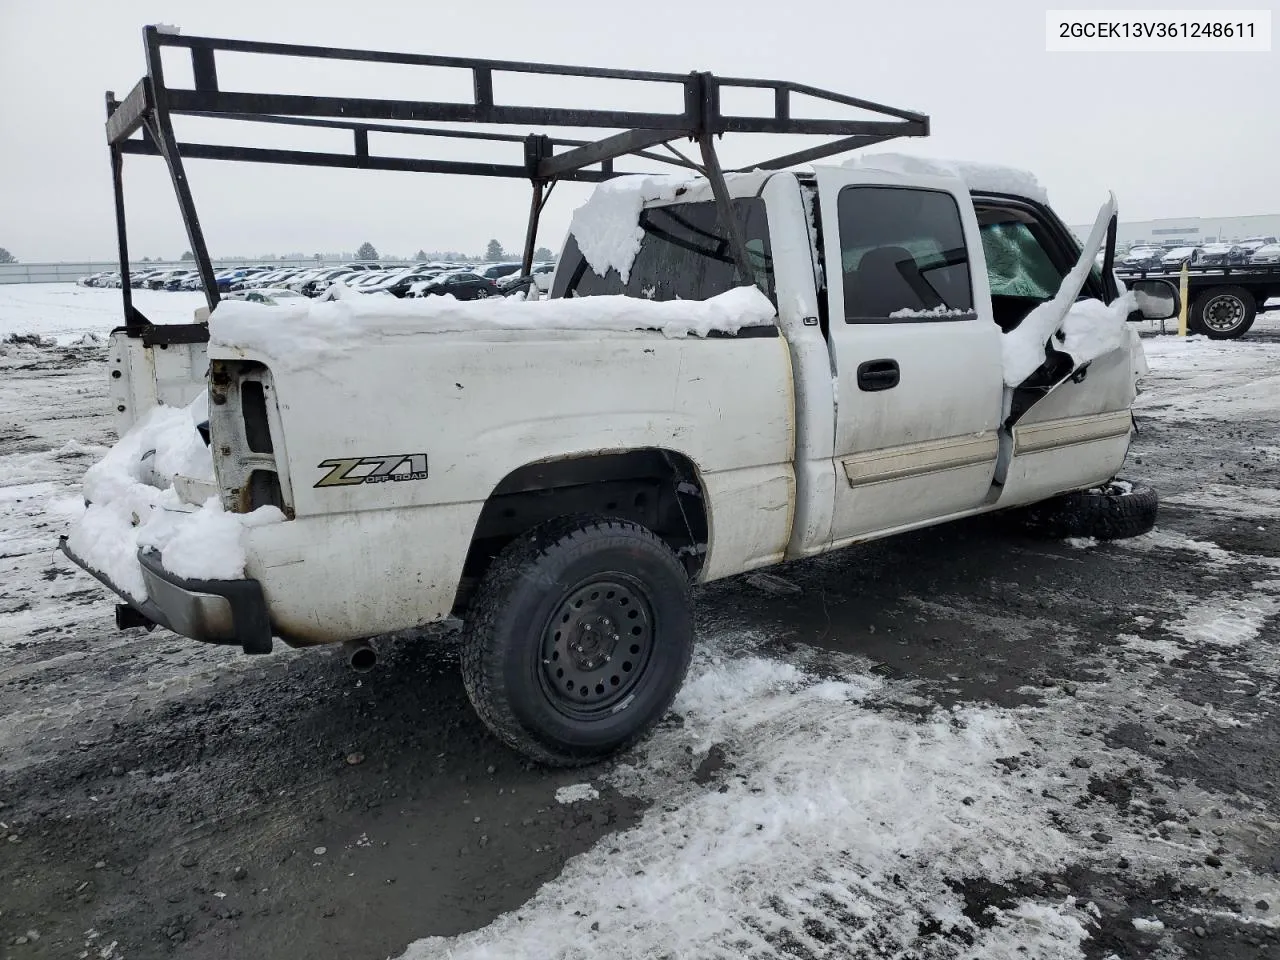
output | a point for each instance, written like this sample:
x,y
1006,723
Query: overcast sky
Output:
x,y
1173,134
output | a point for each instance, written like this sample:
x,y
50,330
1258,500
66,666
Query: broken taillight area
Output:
x,y
243,422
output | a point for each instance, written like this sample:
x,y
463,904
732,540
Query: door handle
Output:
x,y
878,375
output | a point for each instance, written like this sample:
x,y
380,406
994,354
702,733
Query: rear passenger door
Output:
x,y
915,352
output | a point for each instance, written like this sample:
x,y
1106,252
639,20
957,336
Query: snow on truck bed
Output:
x,y
297,336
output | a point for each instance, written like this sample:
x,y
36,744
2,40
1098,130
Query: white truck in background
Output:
x,y
880,347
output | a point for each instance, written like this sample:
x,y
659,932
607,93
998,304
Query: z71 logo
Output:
x,y
348,471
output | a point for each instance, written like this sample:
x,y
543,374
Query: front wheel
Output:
x,y
578,639
1223,313
1112,511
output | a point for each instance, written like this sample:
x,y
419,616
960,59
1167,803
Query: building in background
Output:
x,y
1191,231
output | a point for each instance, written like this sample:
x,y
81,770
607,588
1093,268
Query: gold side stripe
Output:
x,y
1033,437
914,459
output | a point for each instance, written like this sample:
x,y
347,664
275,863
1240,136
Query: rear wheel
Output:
x,y
578,639
1223,313
1112,511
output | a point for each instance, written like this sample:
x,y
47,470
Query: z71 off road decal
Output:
x,y
347,471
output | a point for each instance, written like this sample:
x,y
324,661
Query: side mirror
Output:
x,y
1157,299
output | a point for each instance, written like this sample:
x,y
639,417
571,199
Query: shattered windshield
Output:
x,y
1017,265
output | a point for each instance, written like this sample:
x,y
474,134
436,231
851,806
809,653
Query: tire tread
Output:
x,y
482,673
1104,516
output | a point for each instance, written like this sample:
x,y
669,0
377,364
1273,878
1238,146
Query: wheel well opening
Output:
x,y
657,489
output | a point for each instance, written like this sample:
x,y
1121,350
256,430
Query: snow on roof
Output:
x,y
299,335
980,177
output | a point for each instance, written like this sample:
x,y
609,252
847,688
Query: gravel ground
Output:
x,y
160,798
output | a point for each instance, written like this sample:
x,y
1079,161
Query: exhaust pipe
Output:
x,y
361,657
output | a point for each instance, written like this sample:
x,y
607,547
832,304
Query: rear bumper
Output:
x,y
213,611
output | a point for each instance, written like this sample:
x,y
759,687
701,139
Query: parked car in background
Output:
x,y
179,279
399,287
270,278
141,279
400,279
1175,258
309,284
267,295
1142,258
1254,244
463,286
513,280
493,271
1222,255
176,278
387,280
1269,253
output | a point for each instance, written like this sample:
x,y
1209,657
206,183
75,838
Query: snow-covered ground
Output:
x,y
807,805
66,312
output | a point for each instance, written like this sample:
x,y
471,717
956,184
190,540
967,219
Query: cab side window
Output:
x,y
903,256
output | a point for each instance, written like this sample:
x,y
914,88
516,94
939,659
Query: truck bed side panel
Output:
x,y
368,557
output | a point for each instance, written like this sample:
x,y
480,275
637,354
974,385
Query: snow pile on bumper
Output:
x,y
131,504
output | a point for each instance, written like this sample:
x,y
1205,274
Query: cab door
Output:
x,y
915,352
1069,422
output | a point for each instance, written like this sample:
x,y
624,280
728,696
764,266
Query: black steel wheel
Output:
x,y
596,646
578,639
1223,313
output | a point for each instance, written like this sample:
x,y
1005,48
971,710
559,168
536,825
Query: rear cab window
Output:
x,y
684,255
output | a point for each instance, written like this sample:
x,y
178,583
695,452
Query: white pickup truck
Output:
x,y
918,342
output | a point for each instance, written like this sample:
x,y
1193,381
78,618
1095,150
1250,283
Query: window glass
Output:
x,y
903,255
1017,264
684,255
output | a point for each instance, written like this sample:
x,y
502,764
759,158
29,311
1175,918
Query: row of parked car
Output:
x,y
1252,251
269,283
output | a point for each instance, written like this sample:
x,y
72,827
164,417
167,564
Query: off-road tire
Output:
x,y
505,665
1236,305
1104,513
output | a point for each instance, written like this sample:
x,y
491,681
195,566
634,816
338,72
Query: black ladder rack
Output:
x,y
141,123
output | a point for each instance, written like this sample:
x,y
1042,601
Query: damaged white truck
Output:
x,y
733,370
